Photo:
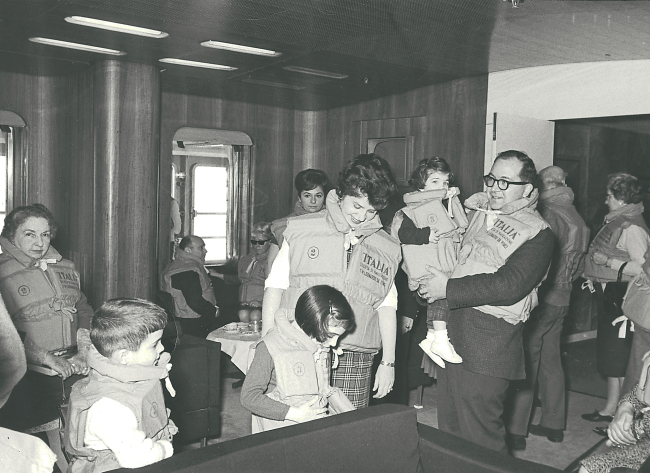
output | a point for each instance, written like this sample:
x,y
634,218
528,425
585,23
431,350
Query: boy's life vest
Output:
x,y
134,386
302,371
426,209
317,244
606,240
252,272
187,262
494,235
35,291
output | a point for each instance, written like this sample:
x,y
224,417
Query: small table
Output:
x,y
236,344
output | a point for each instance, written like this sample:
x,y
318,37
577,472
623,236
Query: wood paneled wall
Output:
x,y
455,129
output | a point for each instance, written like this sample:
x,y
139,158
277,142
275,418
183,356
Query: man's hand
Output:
x,y
63,367
433,288
434,236
407,324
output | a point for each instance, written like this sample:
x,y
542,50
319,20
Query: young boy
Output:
x,y
117,416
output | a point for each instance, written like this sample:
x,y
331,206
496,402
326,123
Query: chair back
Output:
x,y
173,331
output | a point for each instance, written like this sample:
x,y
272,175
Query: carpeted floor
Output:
x,y
579,360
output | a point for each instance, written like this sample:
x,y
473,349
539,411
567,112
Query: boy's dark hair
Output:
x,y
124,323
424,169
320,306
19,215
528,172
625,187
309,179
371,175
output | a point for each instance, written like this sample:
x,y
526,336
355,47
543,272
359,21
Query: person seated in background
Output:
x,y
312,186
289,379
187,280
251,273
117,417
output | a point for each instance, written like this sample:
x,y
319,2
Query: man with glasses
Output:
x,y
504,256
187,280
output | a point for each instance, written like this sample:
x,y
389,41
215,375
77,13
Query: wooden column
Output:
x,y
127,140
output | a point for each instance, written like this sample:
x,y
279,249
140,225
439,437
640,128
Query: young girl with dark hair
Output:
x,y
430,235
288,380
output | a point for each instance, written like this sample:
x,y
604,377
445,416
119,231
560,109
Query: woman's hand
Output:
x,y
384,380
407,324
599,258
434,236
620,429
63,367
306,412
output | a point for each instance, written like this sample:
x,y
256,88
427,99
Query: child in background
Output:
x,y
289,379
117,416
430,236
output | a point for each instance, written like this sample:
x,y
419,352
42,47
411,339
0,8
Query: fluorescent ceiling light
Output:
x,y
119,27
240,49
273,84
315,72
206,65
81,47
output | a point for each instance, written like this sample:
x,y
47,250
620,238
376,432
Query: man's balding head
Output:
x,y
552,177
193,245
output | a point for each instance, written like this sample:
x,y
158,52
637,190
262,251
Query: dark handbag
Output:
x,y
636,302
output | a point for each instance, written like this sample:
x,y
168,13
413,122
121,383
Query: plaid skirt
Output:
x,y
353,376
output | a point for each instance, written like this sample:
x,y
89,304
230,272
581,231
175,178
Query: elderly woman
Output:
x,y
311,185
43,297
251,273
343,247
615,256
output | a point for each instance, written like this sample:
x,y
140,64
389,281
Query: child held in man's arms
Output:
x,y
117,416
289,379
430,236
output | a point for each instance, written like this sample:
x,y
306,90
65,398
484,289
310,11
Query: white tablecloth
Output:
x,y
235,344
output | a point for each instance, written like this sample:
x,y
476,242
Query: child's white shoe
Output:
x,y
442,347
426,347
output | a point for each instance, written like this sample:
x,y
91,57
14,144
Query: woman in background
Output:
x,y
251,273
615,256
312,186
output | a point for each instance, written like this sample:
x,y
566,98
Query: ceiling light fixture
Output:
x,y
240,48
206,65
79,46
273,84
119,27
315,72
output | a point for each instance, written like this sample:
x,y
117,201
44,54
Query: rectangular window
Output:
x,y
210,203
6,159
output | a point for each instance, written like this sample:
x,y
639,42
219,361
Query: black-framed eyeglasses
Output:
x,y
258,242
501,183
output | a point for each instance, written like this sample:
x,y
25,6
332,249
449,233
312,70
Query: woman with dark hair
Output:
x,y
312,186
344,248
275,391
43,296
615,256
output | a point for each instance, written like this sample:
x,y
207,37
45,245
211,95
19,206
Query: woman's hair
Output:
x,y
321,306
19,215
425,168
124,323
309,179
625,187
528,171
262,228
371,175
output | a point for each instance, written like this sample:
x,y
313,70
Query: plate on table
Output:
x,y
242,326
231,327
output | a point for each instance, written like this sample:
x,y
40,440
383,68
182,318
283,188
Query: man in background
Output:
x,y
543,330
187,280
